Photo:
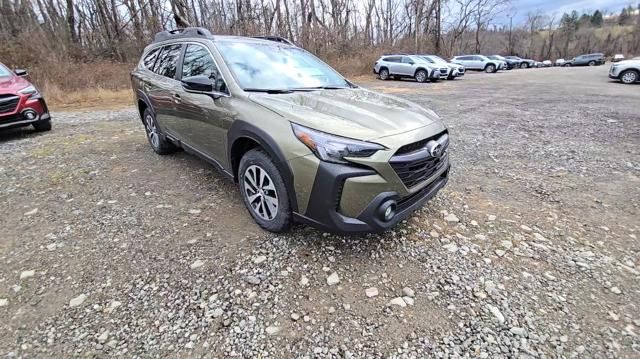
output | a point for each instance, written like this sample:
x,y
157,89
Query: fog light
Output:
x,y
387,210
30,115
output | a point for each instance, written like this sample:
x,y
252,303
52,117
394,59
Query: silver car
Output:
x,y
627,71
479,62
455,70
403,66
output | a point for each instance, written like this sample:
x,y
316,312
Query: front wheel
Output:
x,y
524,65
592,63
421,76
264,192
566,65
629,77
490,68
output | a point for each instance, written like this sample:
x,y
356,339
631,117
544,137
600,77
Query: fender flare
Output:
x,y
142,96
242,129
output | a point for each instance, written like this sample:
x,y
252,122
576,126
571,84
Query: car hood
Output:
x,y
629,62
355,113
12,84
454,66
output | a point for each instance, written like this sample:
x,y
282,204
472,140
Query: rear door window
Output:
x,y
167,62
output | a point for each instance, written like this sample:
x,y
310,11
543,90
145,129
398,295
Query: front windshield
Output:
x,y
4,72
269,66
437,59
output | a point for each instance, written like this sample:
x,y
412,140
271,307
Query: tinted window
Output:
x,y
150,59
465,58
198,62
168,61
392,59
406,60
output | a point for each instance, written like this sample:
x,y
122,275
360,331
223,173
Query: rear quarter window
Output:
x,y
149,59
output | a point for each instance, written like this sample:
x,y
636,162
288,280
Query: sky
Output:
x,y
522,7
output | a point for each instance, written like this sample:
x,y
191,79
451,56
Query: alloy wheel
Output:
x,y
629,77
152,131
421,76
260,192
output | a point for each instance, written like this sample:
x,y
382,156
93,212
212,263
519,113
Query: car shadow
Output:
x,y
11,134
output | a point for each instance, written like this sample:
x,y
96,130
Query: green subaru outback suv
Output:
x,y
302,142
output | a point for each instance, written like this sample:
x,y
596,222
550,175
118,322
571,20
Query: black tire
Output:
x,y
566,65
159,143
451,77
283,217
524,65
629,76
421,76
490,68
592,63
43,125
383,74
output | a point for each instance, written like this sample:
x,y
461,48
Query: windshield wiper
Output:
x,y
269,91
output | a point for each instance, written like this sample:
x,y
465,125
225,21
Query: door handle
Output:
x,y
176,98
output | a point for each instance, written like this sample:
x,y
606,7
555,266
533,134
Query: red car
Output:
x,y
21,104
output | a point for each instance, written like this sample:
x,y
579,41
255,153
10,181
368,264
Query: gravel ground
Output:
x,y
531,251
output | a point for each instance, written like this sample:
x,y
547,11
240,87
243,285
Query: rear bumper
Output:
x,y
323,213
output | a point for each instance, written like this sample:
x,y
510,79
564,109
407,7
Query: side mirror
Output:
x,y
198,84
411,62
21,72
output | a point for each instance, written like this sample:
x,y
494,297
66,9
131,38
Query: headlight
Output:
x,y
29,90
332,148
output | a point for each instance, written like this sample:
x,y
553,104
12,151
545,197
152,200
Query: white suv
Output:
x,y
455,69
478,62
399,66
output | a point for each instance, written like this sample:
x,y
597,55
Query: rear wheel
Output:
x,y
490,68
566,65
524,65
592,63
264,192
158,142
43,125
629,76
383,74
421,76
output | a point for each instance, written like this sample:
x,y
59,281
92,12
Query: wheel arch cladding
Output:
x,y
242,137
143,104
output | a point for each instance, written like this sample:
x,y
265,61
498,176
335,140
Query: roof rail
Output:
x,y
180,33
276,39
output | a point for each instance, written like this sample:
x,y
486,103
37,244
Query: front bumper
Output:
x,y
351,198
614,72
323,210
26,112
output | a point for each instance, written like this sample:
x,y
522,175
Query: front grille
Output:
x,y
443,71
413,163
8,103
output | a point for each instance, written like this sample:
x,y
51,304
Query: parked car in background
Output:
x,y
559,62
511,62
404,66
21,104
618,57
302,142
547,63
478,62
524,63
507,64
456,70
586,60
627,71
